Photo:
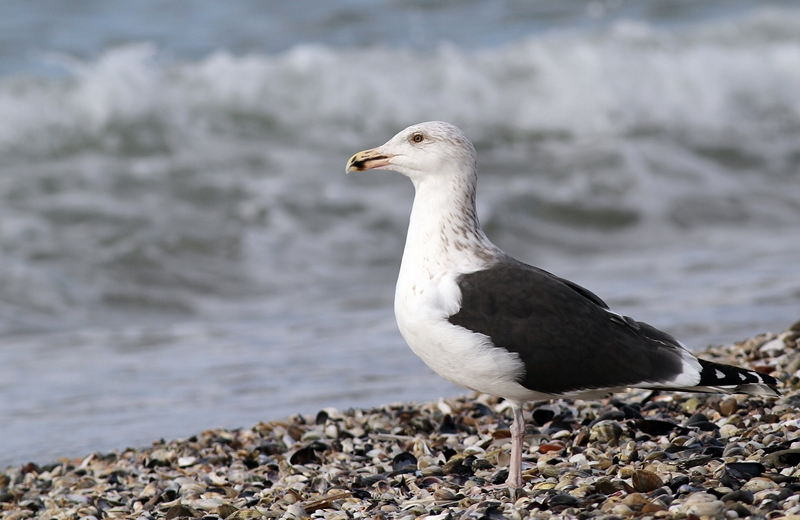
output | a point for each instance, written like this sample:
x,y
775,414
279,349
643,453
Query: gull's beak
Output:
x,y
367,160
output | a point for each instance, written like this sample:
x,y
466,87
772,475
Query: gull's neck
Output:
x,y
444,234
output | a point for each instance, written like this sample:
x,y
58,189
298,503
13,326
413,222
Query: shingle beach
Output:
x,y
642,455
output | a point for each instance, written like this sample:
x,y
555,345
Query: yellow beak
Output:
x,y
367,160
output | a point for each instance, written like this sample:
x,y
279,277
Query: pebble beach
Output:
x,y
638,454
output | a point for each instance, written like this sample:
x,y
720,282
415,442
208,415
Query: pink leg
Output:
x,y
517,439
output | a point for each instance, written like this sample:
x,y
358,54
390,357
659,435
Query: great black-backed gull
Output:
x,y
490,323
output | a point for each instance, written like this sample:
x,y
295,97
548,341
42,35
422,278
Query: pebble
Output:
x,y
550,446
654,507
673,455
740,495
605,431
702,504
782,458
757,484
690,405
645,481
728,430
728,406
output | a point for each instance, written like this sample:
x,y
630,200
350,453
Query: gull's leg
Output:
x,y
517,439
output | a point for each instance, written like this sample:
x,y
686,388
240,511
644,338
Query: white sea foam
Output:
x,y
735,77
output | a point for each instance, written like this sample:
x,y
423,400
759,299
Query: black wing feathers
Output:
x,y
586,293
563,333
716,374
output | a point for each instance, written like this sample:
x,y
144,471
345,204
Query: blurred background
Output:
x,y
180,248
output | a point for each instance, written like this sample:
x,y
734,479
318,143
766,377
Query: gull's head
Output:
x,y
421,151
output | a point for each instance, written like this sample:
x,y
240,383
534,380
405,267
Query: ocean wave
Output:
x,y
735,77
139,182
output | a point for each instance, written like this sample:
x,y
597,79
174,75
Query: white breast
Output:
x,y
459,355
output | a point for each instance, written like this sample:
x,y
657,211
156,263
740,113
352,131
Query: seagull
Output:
x,y
493,324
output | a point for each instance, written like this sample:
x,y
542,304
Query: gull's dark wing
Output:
x,y
564,334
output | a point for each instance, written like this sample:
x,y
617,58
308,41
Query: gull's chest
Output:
x,y
422,291
427,291
423,304
422,307
424,300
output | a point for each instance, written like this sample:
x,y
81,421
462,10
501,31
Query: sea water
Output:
x,y
180,248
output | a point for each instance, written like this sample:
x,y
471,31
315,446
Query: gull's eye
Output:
x,y
417,138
